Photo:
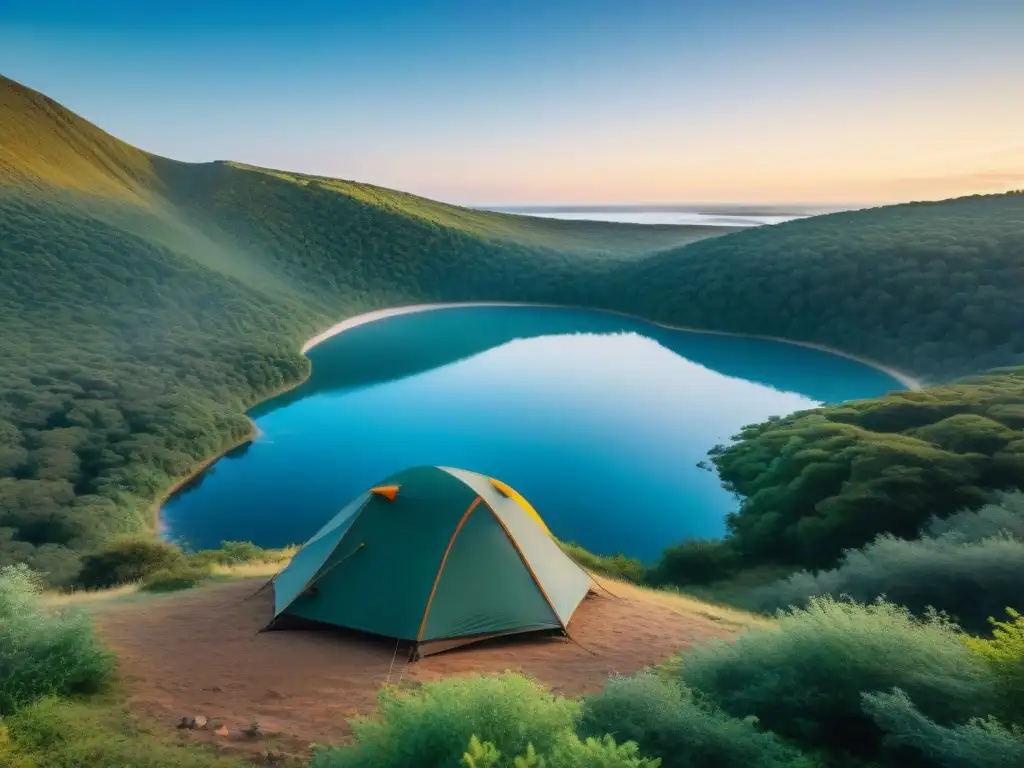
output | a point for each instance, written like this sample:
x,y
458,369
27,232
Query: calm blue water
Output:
x,y
598,420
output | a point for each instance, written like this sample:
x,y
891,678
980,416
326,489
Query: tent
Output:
x,y
435,556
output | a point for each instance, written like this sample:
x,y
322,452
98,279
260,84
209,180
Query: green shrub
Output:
x,y
968,580
237,553
173,579
44,652
969,565
665,720
57,734
568,752
126,560
913,739
613,566
804,679
1005,515
1004,653
695,561
430,728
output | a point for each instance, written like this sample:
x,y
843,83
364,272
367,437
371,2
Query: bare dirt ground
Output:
x,y
200,653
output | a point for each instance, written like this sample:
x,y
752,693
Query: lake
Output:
x,y
599,420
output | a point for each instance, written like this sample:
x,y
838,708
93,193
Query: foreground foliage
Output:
x,y
969,565
1004,653
804,681
668,722
835,684
433,726
51,733
42,651
913,739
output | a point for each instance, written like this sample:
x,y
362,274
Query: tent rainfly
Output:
x,y
435,556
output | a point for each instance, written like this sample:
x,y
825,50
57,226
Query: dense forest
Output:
x,y
931,288
146,303
819,482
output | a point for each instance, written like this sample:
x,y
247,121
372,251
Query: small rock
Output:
x,y
198,722
222,731
185,723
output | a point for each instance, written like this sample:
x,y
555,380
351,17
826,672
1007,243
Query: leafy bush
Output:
x,y
1004,653
128,559
823,481
969,565
238,553
613,566
968,580
430,728
695,561
665,720
173,579
568,752
57,734
44,652
913,739
1004,516
804,680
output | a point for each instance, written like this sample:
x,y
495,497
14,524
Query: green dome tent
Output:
x,y
437,557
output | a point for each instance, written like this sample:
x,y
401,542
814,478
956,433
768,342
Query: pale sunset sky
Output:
x,y
555,101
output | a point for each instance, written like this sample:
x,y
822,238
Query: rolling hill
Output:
x,y
932,288
145,302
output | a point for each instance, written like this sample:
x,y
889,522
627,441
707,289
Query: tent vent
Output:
x,y
386,491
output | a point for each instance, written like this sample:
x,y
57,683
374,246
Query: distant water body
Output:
x,y
709,216
599,420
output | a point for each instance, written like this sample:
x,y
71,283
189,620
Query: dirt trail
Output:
x,y
199,653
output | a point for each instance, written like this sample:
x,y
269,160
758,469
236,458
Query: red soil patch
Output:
x,y
199,653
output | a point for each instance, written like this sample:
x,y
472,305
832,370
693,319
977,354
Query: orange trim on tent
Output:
x,y
440,568
511,493
386,491
526,562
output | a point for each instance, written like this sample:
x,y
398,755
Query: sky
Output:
x,y
515,102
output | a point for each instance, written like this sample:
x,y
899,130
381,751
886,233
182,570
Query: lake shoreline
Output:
x,y
910,382
355,321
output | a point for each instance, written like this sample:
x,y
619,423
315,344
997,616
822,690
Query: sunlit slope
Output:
x,y
932,288
44,146
581,236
